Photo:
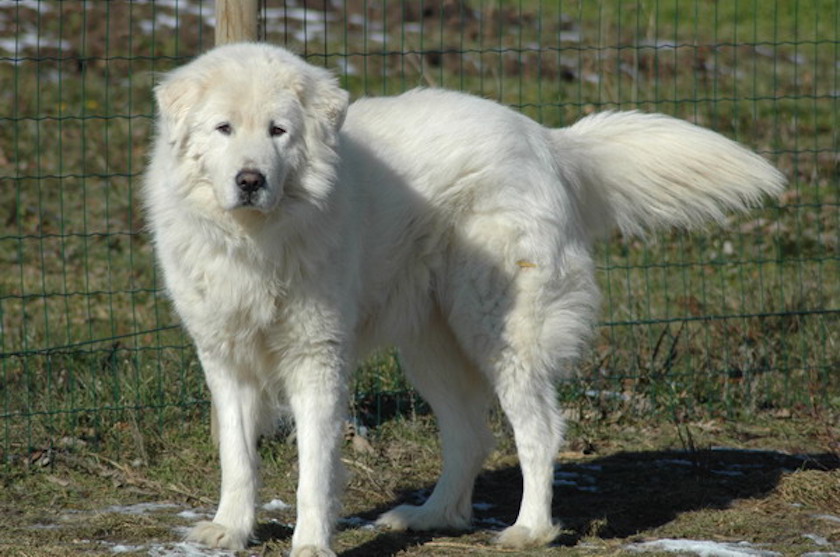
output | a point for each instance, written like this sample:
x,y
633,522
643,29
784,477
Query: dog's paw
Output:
x,y
394,519
311,551
213,534
520,537
411,517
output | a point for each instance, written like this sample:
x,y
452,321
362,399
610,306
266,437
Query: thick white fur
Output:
x,y
444,224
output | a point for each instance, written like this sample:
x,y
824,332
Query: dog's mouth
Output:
x,y
249,199
256,201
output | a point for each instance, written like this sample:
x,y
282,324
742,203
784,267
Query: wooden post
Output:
x,y
236,20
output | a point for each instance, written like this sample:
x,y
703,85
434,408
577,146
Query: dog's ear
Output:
x,y
175,95
331,102
326,106
327,101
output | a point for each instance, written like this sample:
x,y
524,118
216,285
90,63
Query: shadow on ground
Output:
x,y
622,494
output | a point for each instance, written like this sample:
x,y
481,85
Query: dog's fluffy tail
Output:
x,y
644,171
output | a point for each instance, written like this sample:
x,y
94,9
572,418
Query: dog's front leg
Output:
x,y
318,401
236,402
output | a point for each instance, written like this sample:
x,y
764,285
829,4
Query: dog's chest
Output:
x,y
225,296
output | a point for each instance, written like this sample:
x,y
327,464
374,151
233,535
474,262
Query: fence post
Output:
x,y
236,20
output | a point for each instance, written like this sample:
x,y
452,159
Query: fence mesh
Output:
x,y
741,318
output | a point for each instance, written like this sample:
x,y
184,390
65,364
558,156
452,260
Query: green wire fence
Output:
x,y
742,318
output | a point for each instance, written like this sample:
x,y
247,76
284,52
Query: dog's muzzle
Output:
x,y
249,182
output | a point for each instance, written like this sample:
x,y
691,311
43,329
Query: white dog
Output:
x,y
295,234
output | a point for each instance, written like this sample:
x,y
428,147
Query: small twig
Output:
x,y
369,473
358,465
132,476
183,491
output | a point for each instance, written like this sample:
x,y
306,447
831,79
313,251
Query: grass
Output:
x,y
727,336
636,482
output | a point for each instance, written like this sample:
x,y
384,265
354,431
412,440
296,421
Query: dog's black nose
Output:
x,y
250,180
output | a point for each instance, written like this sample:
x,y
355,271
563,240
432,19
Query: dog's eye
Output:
x,y
276,131
224,128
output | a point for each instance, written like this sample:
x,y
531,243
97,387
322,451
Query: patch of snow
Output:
x,y
593,467
588,488
608,395
357,522
757,451
29,40
493,523
346,67
36,5
560,474
311,32
377,37
276,505
748,466
139,508
182,531
186,549
191,514
703,548
819,540
574,479
122,548
356,19
828,517
290,525
570,36
674,462
727,472
310,15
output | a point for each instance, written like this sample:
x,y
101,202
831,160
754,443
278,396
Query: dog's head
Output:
x,y
256,124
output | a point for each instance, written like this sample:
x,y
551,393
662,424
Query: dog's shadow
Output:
x,y
619,495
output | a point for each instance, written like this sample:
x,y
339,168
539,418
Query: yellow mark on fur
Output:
x,y
526,264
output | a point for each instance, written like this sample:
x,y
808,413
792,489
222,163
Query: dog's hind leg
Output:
x,y
237,404
530,404
522,316
544,328
460,397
